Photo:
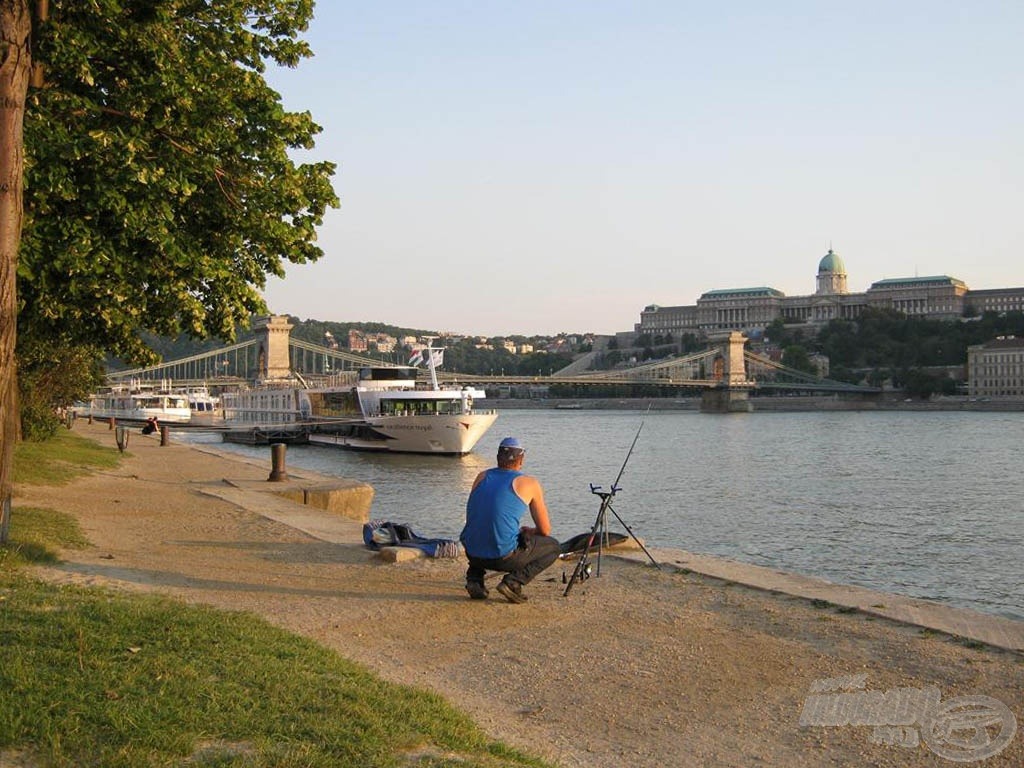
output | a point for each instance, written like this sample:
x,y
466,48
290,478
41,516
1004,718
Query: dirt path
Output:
x,y
637,668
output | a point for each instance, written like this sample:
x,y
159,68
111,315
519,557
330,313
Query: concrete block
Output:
x,y
400,554
346,498
298,495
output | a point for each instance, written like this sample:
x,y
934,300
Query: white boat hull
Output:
x,y
168,409
448,435
163,415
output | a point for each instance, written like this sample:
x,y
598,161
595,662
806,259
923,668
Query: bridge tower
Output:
x,y
272,333
732,392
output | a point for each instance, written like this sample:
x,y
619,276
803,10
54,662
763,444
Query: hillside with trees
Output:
x,y
883,345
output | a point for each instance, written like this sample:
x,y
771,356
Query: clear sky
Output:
x,y
539,166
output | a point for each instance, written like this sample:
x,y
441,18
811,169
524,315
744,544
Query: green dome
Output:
x,y
831,262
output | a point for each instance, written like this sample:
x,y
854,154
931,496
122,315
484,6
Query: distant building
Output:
x,y
996,300
996,368
357,341
752,309
383,342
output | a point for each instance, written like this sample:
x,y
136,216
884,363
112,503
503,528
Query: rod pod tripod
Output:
x,y
599,531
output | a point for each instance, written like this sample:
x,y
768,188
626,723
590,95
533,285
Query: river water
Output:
x,y
926,504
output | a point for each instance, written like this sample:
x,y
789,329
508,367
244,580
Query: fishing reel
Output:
x,y
582,575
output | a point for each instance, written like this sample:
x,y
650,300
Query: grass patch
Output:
x,y
60,459
36,534
91,677
94,677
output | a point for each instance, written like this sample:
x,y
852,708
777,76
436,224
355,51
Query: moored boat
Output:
x,y
377,409
202,405
138,402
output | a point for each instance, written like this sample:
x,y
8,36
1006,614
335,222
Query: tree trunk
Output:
x,y
15,66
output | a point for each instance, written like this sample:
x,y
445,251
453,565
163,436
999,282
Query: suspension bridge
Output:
x,y
725,372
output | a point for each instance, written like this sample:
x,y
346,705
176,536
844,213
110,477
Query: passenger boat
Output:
x,y
202,405
376,409
137,402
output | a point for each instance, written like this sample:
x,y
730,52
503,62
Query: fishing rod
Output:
x,y
599,531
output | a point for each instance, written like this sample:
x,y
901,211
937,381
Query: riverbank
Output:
x,y
640,667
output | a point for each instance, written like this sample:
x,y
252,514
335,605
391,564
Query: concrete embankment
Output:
x,y
995,631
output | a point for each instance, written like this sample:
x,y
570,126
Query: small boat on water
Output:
x,y
138,402
377,409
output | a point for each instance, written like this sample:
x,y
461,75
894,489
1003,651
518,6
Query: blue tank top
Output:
x,y
493,512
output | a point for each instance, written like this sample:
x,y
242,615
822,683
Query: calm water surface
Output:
x,y
923,504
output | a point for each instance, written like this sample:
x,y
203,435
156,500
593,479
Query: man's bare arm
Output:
x,y
529,490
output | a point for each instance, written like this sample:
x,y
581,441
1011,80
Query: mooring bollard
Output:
x,y
165,434
121,436
278,472
90,419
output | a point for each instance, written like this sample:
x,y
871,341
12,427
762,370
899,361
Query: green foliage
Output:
x,y
159,187
314,330
465,357
776,332
51,377
796,356
888,339
923,384
611,358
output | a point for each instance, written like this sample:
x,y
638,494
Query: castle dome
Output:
x,y
831,262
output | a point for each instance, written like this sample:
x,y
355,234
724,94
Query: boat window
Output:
x,y
387,374
327,404
416,407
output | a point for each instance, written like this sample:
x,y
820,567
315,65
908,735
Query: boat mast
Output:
x,y
430,361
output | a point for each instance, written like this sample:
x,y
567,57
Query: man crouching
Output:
x,y
492,536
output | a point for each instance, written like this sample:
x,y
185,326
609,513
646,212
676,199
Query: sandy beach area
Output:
x,y
640,667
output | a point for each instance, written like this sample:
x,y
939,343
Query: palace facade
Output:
x,y
750,310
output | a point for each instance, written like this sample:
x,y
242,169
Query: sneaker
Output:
x,y
511,591
477,590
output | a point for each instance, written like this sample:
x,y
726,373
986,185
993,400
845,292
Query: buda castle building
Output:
x,y
752,309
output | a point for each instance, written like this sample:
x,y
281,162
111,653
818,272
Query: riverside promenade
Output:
x,y
703,662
